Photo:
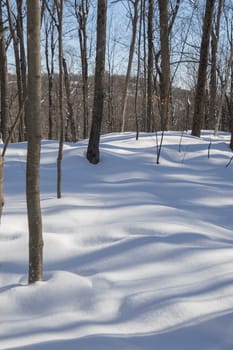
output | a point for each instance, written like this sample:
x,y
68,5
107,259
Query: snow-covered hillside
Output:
x,y
137,256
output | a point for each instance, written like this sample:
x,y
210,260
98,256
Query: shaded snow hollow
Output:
x,y
137,256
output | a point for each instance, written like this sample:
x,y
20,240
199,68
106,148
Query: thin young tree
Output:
x,y
70,125
3,98
20,36
50,44
15,21
230,108
130,61
13,32
4,127
213,70
59,7
97,115
150,65
81,13
224,87
138,72
34,142
199,101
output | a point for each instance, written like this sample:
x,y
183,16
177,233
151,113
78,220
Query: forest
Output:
x,y
168,66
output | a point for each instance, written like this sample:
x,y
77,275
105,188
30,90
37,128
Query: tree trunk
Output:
x,y
59,6
150,65
138,72
70,113
1,185
213,72
199,102
223,91
20,35
130,61
145,63
230,106
81,11
34,139
97,115
4,82
165,65
49,59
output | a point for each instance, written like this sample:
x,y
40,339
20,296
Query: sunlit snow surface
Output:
x,y
137,256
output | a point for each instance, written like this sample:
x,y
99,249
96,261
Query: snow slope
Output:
x,y
137,256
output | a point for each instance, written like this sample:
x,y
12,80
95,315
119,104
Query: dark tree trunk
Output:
x,y
49,59
199,102
4,81
59,6
34,139
129,67
165,65
1,185
71,125
81,11
150,65
230,104
20,34
97,115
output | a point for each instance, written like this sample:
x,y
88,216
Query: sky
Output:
x,y
137,256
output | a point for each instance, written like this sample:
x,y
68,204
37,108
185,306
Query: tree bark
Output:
x,y
49,59
1,186
34,139
20,36
59,6
81,12
199,101
230,106
150,66
130,61
71,125
223,91
17,64
97,115
213,71
4,81
165,65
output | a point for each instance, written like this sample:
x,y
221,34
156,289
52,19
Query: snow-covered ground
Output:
x,y
137,256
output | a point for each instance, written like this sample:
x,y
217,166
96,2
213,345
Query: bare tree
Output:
x,y
97,115
59,7
13,32
3,79
70,121
224,89
34,139
15,21
199,102
165,64
213,71
49,29
150,65
230,108
4,99
20,35
138,71
130,61
81,13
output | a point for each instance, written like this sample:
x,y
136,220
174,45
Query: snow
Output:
x,y
137,256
